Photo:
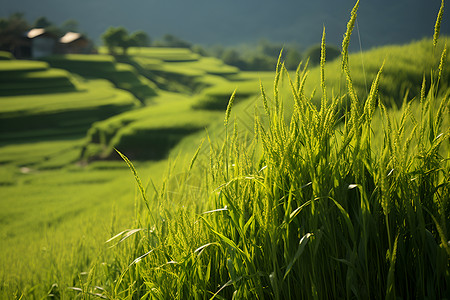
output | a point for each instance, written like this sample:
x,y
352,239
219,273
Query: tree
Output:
x,y
199,50
232,57
12,30
139,39
70,25
42,22
169,40
116,37
268,48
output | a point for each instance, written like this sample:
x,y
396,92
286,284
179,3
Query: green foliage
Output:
x,y
262,57
6,55
306,195
11,30
91,66
179,69
38,100
118,37
42,22
405,66
147,133
216,97
70,25
172,41
139,39
31,77
115,37
437,27
315,199
309,206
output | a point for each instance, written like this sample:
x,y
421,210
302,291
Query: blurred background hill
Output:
x,y
233,22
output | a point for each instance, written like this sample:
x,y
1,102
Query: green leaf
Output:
x,y
301,247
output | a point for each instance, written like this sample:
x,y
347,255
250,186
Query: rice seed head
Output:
x,y
263,94
437,26
442,62
230,105
322,70
348,33
370,103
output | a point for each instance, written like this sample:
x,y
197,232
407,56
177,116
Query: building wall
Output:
x,y
42,46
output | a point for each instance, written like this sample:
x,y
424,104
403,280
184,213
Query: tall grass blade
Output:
x,y
194,158
390,290
301,248
136,177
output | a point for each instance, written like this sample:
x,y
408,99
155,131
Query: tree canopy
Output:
x,y
12,30
118,37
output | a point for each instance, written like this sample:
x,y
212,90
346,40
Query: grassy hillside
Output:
x,y
37,100
271,202
405,68
123,76
32,77
184,79
150,132
205,83
313,206
178,69
348,200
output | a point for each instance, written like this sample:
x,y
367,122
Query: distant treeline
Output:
x,y
257,57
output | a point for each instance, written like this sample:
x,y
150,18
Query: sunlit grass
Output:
x,y
309,206
298,196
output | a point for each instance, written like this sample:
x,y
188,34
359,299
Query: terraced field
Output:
x,y
32,77
37,100
123,76
60,120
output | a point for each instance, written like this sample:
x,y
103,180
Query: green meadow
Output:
x,y
164,174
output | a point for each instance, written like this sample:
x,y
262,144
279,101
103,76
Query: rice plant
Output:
x,y
317,205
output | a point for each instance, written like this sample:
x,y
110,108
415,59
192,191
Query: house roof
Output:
x,y
70,37
35,32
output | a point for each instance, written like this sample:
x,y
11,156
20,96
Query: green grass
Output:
x,y
405,66
55,215
215,97
122,76
12,66
61,111
148,132
32,77
178,70
50,230
37,100
164,54
301,195
4,55
40,154
313,206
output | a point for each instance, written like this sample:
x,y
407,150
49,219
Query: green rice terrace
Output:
x,y
164,174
